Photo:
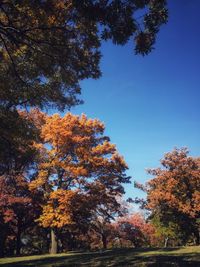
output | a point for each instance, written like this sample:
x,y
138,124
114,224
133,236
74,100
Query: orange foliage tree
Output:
x,y
80,170
173,195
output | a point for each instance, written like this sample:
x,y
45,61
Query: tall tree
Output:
x,y
81,172
18,155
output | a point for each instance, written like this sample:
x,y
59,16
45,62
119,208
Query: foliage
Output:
x,y
80,173
17,135
48,47
135,229
173,194
18,208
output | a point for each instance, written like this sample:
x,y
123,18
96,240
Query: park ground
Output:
x,y
149,257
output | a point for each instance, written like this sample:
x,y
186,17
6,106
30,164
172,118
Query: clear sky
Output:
x,y
151,104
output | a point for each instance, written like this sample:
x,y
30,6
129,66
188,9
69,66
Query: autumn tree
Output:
x,y
18,211
173,195
18,207
81,172
135,229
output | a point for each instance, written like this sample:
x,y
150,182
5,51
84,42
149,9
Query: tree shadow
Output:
x,y
117,258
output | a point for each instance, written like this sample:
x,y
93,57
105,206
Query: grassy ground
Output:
x,y
176,257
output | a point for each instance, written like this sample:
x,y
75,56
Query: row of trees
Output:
x,y
65,192
50,164
61,180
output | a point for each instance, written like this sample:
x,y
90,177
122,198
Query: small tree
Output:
x,y
136,229
173,195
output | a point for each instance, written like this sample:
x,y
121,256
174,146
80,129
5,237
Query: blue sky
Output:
x,y
151,104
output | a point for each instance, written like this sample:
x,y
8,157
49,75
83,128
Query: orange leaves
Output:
x,y
77,145
70,129
75,155
104,148
178,185
196,200
40,181
57,211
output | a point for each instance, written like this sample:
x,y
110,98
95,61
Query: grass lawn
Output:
x,y
187,256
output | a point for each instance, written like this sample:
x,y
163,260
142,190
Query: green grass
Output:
x,y
187,256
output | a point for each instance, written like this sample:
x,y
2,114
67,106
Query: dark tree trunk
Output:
x,y
18,236
120,242
104,241
2,243
18,243
54,244
197,238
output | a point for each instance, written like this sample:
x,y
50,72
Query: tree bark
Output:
x,y
18,243
104,241
166,242
18,237
2,243
54,244
197,238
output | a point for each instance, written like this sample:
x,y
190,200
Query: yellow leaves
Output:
x,y
39,181
105,148
76,141
62,195
76,155
77,171
58,130
20,51
57,211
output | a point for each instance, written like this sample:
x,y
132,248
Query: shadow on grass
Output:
x,y
119,257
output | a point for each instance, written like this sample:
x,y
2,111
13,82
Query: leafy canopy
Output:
x,y
173,194
48,47
78,165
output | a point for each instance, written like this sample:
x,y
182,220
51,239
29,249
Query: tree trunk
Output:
x,y
18,243
2,243
104,241
54,244
120,242
166,242
18,237
197,238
